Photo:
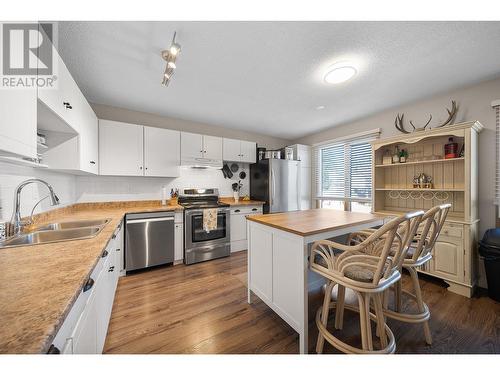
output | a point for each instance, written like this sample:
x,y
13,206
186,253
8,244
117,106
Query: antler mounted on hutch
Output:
x,y
399,121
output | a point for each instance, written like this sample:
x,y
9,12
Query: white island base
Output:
x,y
278,271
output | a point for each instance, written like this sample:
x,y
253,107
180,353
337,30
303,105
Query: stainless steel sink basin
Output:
x,y
72,224
49,236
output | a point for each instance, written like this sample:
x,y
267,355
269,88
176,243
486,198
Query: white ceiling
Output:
x,y
266,77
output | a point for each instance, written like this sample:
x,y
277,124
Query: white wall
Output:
x,y
475,104
106,112
12,175
110,188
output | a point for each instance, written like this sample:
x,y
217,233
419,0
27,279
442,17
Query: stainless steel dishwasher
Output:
x,y
149,240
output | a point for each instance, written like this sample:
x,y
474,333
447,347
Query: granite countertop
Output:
x,y
309,222
39,284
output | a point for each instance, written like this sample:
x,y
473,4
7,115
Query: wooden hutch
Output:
x,y
454,181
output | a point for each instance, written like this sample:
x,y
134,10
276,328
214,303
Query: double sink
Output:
x,y
56,232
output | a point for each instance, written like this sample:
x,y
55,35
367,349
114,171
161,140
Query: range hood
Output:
x,y
201,163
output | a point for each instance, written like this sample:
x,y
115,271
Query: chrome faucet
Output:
x,y
16,221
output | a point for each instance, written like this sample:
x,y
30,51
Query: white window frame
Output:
x,y
316,178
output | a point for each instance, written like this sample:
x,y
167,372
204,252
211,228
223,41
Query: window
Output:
x,y
343,173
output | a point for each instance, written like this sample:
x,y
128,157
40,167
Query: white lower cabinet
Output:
x,y
238,225
85,327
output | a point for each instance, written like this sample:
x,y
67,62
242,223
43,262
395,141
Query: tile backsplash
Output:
x,y
116,188
12,175
70,188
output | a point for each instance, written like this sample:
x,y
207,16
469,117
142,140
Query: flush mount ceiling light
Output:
x,y
170,56
339,72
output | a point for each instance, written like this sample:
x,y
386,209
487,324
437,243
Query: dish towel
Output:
x,y
209,219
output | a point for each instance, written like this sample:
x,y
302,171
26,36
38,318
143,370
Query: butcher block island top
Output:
x,y
309,222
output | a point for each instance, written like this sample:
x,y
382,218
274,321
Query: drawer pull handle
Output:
x,y
254,209
236,210
89,284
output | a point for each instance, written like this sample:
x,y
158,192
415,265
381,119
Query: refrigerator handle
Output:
x,y
273,187
298,187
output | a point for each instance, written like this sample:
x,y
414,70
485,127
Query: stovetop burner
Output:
x,y
200,199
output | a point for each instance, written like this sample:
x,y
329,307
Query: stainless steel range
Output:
x,y
201,245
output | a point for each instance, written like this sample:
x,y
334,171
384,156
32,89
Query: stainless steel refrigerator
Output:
x,y
276,182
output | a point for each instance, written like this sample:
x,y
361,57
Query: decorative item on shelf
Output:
x,y
451,149
399,121
422,181
395,156
387,158
226,171
403,156
243,175
246,198
174,197
236,190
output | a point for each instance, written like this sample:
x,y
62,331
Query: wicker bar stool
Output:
x,y
368,268
419,253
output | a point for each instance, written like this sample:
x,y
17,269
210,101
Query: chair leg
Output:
x,y
420,302
339,313
397,296
364,321
379,312
324,316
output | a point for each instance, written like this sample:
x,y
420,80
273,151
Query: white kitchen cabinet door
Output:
x,y
162,152
179,242
85,335
448,259
238,227
63,98
212,147
231,149
248,152
89,143
191,145
120,149
18,119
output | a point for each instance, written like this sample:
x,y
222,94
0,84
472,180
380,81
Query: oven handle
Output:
x,y
134,221
219,211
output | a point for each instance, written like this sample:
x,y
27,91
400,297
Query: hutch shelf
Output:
x,y
453,180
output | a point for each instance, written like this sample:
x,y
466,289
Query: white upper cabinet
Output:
x,y
248,152
120,149
191,145
239,151
136,150
212,147
162,152
18,122
231,150
198,148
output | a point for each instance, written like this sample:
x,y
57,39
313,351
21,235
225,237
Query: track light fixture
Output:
x,y
170,56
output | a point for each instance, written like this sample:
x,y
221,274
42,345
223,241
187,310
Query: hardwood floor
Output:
x,y
202,308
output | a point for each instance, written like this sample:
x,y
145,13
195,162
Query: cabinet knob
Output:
x,y
140,168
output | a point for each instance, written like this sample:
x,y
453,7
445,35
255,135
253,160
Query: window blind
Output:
x,y
497,184
342,169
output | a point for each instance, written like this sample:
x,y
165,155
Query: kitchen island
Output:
x,y
278,251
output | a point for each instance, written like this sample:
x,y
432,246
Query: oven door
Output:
x,y
195,236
